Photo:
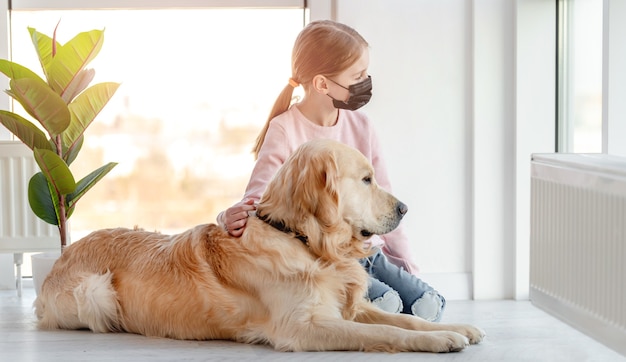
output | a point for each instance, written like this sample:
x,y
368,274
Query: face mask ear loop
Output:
x,y
337,102
338,84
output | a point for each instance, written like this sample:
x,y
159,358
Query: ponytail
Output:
x,y
280,106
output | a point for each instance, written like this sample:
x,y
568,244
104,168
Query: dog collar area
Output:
x,y
280,225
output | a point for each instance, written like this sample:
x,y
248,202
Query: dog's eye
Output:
x,y
367,180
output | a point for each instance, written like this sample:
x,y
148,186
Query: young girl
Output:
x,y
330,61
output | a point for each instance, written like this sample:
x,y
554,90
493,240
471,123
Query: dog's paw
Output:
x,y
474,334
444,341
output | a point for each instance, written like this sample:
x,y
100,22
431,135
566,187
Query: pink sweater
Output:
x,y
289,130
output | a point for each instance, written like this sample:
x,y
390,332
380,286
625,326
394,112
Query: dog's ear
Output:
x,y
316,185
307,183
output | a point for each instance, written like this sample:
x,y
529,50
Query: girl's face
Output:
x,y
356,73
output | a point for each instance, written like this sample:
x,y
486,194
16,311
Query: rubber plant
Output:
x,y
64,105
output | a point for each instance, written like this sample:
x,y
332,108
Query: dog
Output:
x,y
292,280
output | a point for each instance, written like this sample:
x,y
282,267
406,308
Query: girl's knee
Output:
x,y
383,296
390,302
429,306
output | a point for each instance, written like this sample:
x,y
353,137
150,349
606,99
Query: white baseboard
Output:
x,y
453,286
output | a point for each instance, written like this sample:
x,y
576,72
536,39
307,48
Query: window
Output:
x,y
197,86
579,76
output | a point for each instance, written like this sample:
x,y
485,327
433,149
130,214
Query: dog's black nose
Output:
x,y
401,208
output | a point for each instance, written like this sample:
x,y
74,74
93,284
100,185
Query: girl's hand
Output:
x,y
236,217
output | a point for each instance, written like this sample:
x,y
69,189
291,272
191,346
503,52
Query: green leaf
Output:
x,y
78,84
41,200
56,171
69,211
25,130
41,103
87,183
85,108
72,57
43,46
69,155
16,71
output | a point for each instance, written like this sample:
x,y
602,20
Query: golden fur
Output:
x,y
265,287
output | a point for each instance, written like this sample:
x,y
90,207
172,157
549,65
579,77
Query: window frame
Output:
x,y
613,79
151,4
568,74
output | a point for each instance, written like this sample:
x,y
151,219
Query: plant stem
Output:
x,y
62,222
62,215
63,234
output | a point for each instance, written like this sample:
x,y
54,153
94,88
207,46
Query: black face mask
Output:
x,y
360,94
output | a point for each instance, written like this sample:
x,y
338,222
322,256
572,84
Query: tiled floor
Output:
x,y
516,331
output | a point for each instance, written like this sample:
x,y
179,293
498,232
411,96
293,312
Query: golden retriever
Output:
x,y
292,280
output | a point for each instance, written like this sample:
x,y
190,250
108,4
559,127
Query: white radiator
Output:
x,y
20,230
578,242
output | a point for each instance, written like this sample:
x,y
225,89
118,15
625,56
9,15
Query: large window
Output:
x,y
197,86
579,76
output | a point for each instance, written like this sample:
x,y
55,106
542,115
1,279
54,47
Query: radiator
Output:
x,y
578,242
20,230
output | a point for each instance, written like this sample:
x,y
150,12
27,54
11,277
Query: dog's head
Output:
x,y
327,191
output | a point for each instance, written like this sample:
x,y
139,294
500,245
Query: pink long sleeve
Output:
x,y
290,129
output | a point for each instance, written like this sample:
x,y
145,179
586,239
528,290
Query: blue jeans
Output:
x,y
416,296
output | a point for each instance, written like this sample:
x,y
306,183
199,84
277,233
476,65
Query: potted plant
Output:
x,y
64,105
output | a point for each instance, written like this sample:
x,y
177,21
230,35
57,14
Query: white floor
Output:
x,y
516,331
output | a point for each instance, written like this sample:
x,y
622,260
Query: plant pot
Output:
x,y
42,264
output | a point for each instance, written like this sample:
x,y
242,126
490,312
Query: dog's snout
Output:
x,y
401,208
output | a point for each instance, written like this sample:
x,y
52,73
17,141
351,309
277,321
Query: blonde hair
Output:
x,y
322,47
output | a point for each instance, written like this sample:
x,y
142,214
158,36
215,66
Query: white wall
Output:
x,y
534,115
493,119
463,93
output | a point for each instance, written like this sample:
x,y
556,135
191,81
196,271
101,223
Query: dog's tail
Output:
x,y
92,304
97,303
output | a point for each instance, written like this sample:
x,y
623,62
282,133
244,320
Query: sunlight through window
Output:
x,y
196,87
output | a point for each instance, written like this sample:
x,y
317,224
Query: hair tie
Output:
x,y
293,83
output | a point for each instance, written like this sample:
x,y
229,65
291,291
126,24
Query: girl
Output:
x,y
330,61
